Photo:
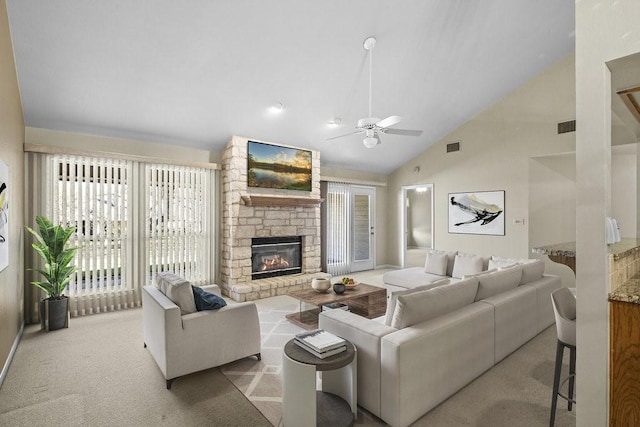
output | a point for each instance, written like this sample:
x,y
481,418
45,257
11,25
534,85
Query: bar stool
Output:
x,y
564,308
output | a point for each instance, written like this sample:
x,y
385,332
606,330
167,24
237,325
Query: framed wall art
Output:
x,y
479,212
4,215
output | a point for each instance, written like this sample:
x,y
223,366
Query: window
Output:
x,y
132,220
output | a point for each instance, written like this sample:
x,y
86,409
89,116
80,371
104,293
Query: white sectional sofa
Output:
x,y
439,335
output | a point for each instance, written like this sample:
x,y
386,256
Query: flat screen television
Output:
x,y
274,166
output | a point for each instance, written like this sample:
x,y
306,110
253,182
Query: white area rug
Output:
x,y
261,381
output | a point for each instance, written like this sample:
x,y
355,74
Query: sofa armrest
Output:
x,y
365,334
214,289
160,316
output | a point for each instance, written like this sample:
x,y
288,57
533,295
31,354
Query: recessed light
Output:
x,y
335,122
276,107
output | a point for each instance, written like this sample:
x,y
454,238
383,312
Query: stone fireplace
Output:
x,y
256,213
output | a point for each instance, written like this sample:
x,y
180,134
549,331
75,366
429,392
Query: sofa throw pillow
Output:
x,y
393,297
496,264
532,270
206,300
498,282
436,263
178,290
466,276
424,305
464,265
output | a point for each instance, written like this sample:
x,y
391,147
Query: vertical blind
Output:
x,y
132,220
338,236
177,227
92,195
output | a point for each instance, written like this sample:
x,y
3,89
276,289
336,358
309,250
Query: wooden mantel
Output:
x,y
264,200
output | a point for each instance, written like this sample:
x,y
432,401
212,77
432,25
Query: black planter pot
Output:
x,y
54,313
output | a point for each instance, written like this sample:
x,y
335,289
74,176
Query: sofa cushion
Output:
x,y
498,282
466,264
424,305
532,270
178,290
206,300
480,273
393,297
409,278
436,263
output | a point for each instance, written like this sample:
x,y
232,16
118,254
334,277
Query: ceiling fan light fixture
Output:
x,y
370,142
276,107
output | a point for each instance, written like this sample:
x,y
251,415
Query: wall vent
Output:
x,y
565,127
454,146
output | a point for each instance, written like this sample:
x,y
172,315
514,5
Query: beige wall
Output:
x,y
11,139
496,146
604,31
77,141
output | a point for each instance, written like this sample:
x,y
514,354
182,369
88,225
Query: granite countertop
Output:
x,y
628,291
567,249
621,249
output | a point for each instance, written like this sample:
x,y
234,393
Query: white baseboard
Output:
x,y
14,347
387,266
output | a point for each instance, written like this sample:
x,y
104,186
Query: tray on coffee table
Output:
x,y
365,300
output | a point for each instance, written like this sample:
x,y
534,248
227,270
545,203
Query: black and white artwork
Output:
x,y
4,215
480,212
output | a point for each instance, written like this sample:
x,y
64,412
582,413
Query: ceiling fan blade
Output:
x,y
407,132
389,121
343,135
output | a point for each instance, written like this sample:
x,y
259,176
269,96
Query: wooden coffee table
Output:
x,y
365,300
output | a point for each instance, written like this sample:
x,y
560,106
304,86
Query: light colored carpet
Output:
x,y
97,373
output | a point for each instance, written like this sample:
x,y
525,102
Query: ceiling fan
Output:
x,y
371,126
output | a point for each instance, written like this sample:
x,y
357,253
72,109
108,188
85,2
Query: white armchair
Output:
x,y
182,344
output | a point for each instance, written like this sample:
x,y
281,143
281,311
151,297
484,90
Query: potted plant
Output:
x,y
50,245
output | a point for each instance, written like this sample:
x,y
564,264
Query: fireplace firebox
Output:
x,y
275,256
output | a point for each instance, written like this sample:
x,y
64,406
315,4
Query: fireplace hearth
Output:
x,y
275,256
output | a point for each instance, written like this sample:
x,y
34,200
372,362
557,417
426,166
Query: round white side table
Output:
x,y
339,376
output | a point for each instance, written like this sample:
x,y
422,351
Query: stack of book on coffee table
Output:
x,y
320,343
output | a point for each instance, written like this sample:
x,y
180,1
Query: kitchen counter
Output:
x,y
629,291
624,247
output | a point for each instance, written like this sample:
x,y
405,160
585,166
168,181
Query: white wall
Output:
x,y
496,146
624,185
552,207
604,31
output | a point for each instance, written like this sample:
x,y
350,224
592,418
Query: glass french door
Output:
x,y
348,228
362,228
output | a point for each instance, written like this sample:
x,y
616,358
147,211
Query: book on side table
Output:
x,y
320,343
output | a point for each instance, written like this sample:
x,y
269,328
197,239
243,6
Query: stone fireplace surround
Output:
x,y
256,212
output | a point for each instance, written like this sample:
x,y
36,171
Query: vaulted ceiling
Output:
x,y
194,73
